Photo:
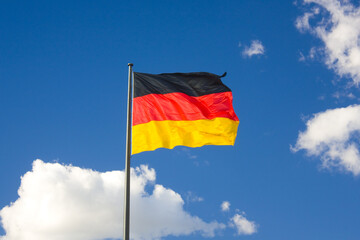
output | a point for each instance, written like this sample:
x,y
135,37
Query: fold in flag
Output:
x,y
188,109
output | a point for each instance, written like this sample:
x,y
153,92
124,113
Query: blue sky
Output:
x,y
293,67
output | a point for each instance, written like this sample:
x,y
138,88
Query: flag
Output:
x,y
188,109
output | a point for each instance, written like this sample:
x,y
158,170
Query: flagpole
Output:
x,y
127,161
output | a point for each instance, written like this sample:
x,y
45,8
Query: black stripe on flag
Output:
x,y
193,84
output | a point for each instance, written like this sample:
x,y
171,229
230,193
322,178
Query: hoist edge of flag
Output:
x,y
169,134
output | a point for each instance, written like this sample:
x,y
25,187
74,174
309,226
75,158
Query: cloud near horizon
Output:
x,y
337,25
61,202
333,136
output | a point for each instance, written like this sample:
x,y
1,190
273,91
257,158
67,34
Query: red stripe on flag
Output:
x,y
182,107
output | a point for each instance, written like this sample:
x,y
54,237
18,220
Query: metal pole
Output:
x,y
127,163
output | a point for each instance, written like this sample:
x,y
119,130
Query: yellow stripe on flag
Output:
x,y
168,134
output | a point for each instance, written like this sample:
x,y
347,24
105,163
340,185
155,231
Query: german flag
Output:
x,y
188,109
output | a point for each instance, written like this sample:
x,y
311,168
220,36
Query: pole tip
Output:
x,y
130,64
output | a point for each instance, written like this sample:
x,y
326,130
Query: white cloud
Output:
x,y
340,94
256,48
225,206
312,53
302,23
192,197
340,32
333,136
242,225
301,57
60,202
351,96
